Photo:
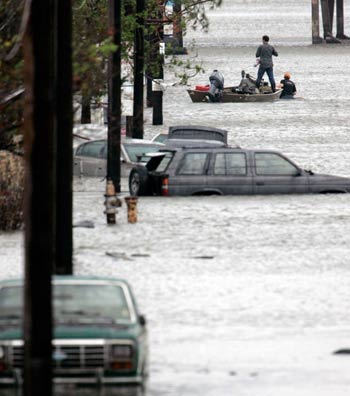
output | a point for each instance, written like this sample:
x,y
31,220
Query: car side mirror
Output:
x,y
142,320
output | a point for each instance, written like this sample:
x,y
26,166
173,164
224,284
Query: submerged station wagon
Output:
x,y
228,170
99,335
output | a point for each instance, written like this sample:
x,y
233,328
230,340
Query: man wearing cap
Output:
x,y
289,89
264,54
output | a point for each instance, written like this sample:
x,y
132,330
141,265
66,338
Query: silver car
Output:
x,y
90,158
226,171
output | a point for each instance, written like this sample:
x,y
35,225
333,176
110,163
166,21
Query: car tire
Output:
x,y
138,182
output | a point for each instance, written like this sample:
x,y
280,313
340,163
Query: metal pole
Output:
x,y
158,93
138,72
40,140
315,8
64,194
114,96
178,33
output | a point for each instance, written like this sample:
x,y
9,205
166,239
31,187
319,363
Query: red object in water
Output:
x,y
203,88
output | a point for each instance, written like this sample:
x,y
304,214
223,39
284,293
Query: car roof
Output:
x,y
127,140
209,148
193,143
140,141
204,132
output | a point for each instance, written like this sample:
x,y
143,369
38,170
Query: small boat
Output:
x,y
246,91
230,96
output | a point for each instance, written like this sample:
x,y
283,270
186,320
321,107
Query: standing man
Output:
x,y
264,54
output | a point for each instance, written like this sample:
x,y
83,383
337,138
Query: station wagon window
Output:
x,y
274,165
92,149
162,167
231,164
193,164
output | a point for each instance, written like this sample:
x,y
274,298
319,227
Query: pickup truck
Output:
x,y
99,335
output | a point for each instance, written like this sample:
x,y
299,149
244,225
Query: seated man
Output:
x,y
289,89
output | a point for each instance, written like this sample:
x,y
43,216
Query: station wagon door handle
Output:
x,y
260,183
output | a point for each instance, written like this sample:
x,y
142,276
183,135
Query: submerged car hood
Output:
x,y
326,177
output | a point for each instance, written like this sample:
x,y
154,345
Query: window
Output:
x,y
104,151
162,167
193,164
273,164
136,151
90,303
231,164
81,303
92,149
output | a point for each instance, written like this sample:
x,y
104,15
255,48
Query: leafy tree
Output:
x,y
11,104
91,46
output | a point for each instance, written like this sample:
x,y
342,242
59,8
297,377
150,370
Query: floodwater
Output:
x,y
243,295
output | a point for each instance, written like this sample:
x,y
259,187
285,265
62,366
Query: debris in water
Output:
x,y
118,256
84,224
140,255
204,257
343,351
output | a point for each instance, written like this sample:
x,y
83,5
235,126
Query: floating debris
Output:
x,y
203,257
118,256
84,224
140,255
343,351
232,373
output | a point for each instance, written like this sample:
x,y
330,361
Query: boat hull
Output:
x,y
233,97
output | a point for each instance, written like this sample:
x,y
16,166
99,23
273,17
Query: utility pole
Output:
x,y
177,29
139,71
114,96
158,76
64,191
40,143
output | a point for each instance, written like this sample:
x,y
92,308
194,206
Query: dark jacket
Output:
x,y
265,52
289,88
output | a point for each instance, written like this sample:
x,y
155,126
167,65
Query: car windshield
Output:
x,y
161,138
136,151
77,303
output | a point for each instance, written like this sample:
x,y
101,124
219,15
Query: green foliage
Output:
x,y
11,64
92,45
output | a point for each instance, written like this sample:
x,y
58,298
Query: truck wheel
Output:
x,y
138,181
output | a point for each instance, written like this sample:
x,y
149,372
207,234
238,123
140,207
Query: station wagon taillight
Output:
x,y
165,187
